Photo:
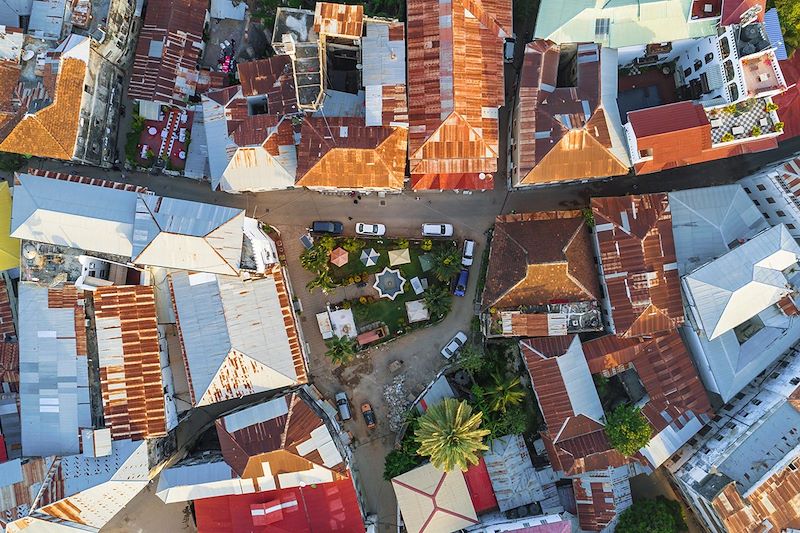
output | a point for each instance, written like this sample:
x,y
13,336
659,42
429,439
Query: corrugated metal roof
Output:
x,y
601,496
511,473
195,479
54,380
637,257
176,25
60,212
680,116
16,498
130,367
238,335
708,222
7,327
455,69
339,20
773,27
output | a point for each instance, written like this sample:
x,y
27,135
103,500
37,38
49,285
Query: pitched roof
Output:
x,y
53,130
330,507
76,483
575,439
168,51
743,282
287,435
511,472
708,222
453,91
130,366
563,131
434,501
732,10
7,326
342,152
383,56
9,366
575,21
174,233
637,256
789,101
238,335
272,77
680,134
54,371
601,497
677,406
537,258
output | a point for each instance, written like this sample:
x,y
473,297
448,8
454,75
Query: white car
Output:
x,y
370,229
455,344
343,405
437,230
468,254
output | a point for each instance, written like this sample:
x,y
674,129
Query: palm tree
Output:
x,y
323,281
446,263
438,300
503,393
340,349
314,259
450,434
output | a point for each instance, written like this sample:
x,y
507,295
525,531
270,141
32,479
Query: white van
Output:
x,y
469,252
437,230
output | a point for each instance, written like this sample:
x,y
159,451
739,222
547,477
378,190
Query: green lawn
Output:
x,y
390,312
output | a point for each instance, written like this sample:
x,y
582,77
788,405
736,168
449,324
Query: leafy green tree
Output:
x,y
446,263
341,350
438,300
627,429
326,242
314,259
499,424
789,16
472,359
353,244
399,462
652,516
450,434
322,281
504,393
11,162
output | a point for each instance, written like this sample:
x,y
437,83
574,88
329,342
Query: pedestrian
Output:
x,y
355,201
349,218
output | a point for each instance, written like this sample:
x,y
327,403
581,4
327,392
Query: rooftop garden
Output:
x,y
744,120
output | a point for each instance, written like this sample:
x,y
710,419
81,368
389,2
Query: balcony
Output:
x,y
762,74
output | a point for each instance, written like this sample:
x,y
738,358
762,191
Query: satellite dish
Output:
x,y
27,55
482,176
29,251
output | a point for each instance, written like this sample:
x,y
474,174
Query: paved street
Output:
x,y
292,211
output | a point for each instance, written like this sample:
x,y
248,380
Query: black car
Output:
x,y
327,226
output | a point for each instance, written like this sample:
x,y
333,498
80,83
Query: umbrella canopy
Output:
x,y
399,257
369,257
339,256
389,283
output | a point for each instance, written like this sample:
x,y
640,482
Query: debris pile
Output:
x,y
396,397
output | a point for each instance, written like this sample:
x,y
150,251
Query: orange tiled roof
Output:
x,y
133,396
52,131
342,152
455,87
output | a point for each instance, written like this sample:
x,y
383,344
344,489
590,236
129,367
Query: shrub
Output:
x,y
652,516
627,429
426,245
353,245
756,131
771,107
729,109
728,137
778,127
362,300
326,242
588,216
401,243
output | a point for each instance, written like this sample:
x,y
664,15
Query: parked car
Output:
x,y
376,230
369,415
455,344
330,227
461,283
508,50
437,230
468,252
343,405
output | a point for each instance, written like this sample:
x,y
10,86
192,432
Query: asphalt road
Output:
x,y
472,214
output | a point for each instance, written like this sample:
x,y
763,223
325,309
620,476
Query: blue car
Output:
x,y
461,283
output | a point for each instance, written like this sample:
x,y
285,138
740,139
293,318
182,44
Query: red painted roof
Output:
x,y
311,509
480,487
789,101
4,453
667,119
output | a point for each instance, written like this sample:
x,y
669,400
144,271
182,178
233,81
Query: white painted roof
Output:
x,y
578,381
737,286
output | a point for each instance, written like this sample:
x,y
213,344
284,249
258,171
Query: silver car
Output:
x,y
455,345
343,405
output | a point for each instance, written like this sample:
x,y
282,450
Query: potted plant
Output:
x,y
770,107
728,137
778,127
756,131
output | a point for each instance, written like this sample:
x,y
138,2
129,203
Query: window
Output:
x,y
794,381
766,216
747,190
601,27
687,72
734,90
756,402
761,187
756,202
725,47
792,467
770,200
790,226
709,58
780,213
697,65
